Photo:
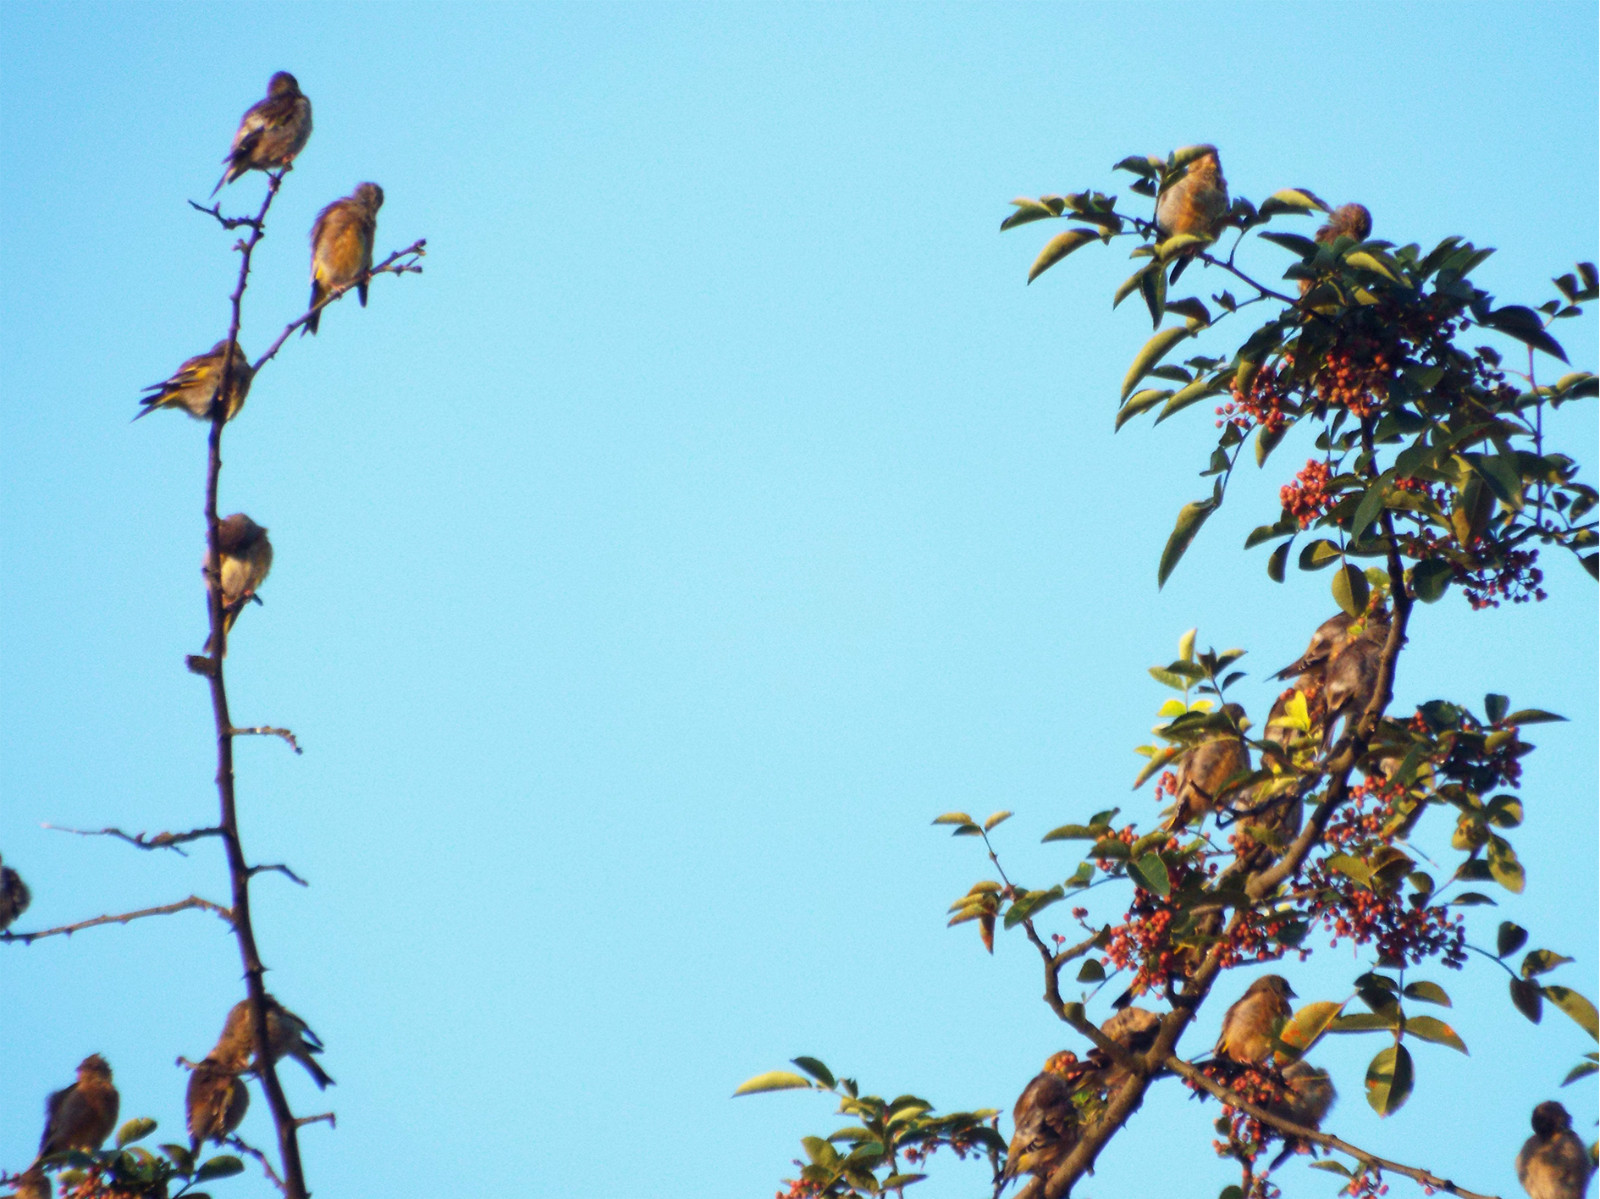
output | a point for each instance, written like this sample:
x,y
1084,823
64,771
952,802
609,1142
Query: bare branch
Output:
x,y
327,1118
401,262
1231,1099
266,730
228,222
142,840
280,869
183,905
243,1146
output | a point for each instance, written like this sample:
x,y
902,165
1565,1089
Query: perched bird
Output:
x,y
287,1036
14,896
1247,1026
272,132
1045,1120
1333,635
1349,684
1193,197
246,559
1135,1030
1347,220
1309,1098
194,387
341,246
216,1101
1206,768
1553,1163
81,1116
32,1183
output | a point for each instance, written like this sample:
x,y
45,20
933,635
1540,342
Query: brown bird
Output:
x,y
341,246
1309,1097
81,1116
1046,1121
14,896
194,387
272,132
32,1183
1347,220
1194,195
216,1101
1333,635
287,1036
1349,684
1247,1026
1135,1030
1205,769
246,560
1553,1163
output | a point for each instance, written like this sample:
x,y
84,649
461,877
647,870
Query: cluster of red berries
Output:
x,y
1514,578
1261,404
1368,1184
1307,497
1399,932
1354,375
799,1188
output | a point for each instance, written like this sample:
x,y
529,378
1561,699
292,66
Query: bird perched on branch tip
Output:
x,y
341,246
81,1116
271,133
246,560
1193,198
194,386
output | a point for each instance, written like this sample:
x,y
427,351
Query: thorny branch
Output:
x,y
183,905
244,1146
279,868
1231,1099
266,730
142,840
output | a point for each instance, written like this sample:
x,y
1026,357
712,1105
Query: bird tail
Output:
x,y
320,1076
315,318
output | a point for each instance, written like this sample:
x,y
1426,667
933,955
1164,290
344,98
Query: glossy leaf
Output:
x,y
1429,578
1190,518
1150,872
1510,938
1427,992
1389,1080
1307,1025
1350,589
1153,352
816,1069
1058,247
996,819
1027,211
1574,1005
136,1129
1430,1028
1541,961
773,1080
1528,997
224,1165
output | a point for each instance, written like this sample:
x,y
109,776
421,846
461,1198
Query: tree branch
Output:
x,y
183,905
243,1146
266,730
1231,1099
142,840
279,868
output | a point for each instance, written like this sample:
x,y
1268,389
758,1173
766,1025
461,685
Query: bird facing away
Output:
x,y
271,133
1347,220
287,1036
1194,197
1333,635
216,1102
14,896
1553,1163
1247,1025
246,559
1045,1120
194,386
341,246
1135,1030
1309,1099
1350,683
81,1116
1205,770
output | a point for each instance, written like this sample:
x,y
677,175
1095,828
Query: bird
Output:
x,y
1331,636
1308,1096
1045,1120
1248,1025
1350,681
194,386
32,1183
287,1036
246,560
1193,198
1347,220
272,132
1553,1163
82,1115
1135,1030
1206,768
341,246
14,896
216,1101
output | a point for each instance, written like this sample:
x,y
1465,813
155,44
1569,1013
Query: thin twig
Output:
x,y
327,1118
1231,1099
245,1147
389,266
227,222
279,868
266,730
141,840
183,905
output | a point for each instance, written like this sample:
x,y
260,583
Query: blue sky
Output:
x,y
717,509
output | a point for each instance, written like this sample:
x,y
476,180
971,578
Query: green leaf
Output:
x,y
224,1165
1333,1167
1294,242
1058,247
1276,561
1495,707
1370,507
1510,938
1132,282
1027,211
1350,589
1528,997
1191,308
1190,519
1574,1005
1291,199
1351,867
1429,578
1469,899
816,1069
1427,992
1389,1080
135,1130
1541,961
181,1158
953,818
997,818
1150,872
1091,971
1366,261
1076,832
1524,324
1154,350
1504,867
1365,1022
1428,1028
1581,1070
1319,553
1308,1024
1533,716
1266,441
773,1080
